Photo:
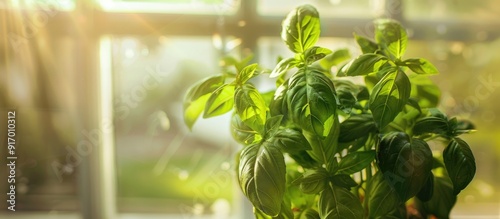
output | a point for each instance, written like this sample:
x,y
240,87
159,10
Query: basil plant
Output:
x,y
321,146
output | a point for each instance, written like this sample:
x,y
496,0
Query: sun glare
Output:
x,y
225,7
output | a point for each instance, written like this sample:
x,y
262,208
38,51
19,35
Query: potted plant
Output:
x,y
321,146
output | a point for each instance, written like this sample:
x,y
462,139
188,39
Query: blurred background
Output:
x,y
97,86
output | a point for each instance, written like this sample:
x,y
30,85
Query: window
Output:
x,y
162,166
99,85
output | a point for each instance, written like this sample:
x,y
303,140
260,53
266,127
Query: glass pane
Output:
x,y
162,166
326,8
42,5
480,10
172,6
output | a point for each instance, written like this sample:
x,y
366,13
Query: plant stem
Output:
x,y
369,146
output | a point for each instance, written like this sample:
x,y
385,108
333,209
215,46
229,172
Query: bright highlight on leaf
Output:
x,y
197,97
246,73
251,107
301,28
311,100
220,101
363,65
389,97
391,37
421,66
283,66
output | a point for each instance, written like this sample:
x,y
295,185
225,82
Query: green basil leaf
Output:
x,y
293,193
366,45
357,144
425,194
460,164
343,180
391,38
356,161
363,65
260,215
435,125
338,202
383,200
261,175
290,140
463,127
304,159
435,112
241,64
251,107
193,110
421,66
356,126
273,125
398,213
278,105
313,181
389,97
310,214
406,163
315,53
334,59
371,81
246,73
425,91
363,93
347,85
404,120
347,93
301,28
220,101
311,101
459,127
286,211
283,66
414,103
346,99
324,148
197,97
443,200
242,133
